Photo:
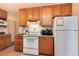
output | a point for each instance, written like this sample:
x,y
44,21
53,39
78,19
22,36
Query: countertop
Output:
x,y
4,34
46,36
35,36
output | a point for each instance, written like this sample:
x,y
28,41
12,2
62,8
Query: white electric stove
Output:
x,y
31,39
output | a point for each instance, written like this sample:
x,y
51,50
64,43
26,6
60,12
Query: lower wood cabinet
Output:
x,y
18,42
1,42
46,46
5,41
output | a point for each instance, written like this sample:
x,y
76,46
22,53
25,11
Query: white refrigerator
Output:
x,y
65,30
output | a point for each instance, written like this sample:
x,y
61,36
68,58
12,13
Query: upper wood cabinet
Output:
x,y
33,13
36,13
3,14
29,14
56,10
66,9
46,16
62,10
22,17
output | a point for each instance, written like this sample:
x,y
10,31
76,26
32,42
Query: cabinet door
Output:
x,y
36,13
4,41
67,9
56,10
46,16
3,14
22,17
46,45
42,15
19,42
1,42
7,40
29,14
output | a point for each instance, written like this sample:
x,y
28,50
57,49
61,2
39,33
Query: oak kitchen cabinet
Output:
x,y
66,9
1,42
56,10
46,16
22,17
62,10
5,41
46,45
33,14
3,14
36,13
29,14
18,42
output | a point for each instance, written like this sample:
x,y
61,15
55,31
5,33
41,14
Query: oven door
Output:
x,y
30,45
30,42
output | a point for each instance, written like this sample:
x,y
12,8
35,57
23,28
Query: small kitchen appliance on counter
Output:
x,y
47,32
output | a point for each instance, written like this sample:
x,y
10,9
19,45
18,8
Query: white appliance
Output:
x,y
3,26
3,22
30,45
65,31
31,39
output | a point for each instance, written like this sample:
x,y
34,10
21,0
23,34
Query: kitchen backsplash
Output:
x,y
43,28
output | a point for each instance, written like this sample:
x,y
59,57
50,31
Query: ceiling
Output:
x,y
12,8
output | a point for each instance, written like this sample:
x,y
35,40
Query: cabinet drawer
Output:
x,y
18,48
18,37
18,44
46,52
19,41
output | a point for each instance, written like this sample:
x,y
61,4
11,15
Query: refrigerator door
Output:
x,y
66,43
60,40
72,44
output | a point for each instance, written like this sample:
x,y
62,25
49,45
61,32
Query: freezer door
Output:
x,y
66,23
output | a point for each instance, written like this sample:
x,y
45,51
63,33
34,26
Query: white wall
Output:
x,y
11,21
